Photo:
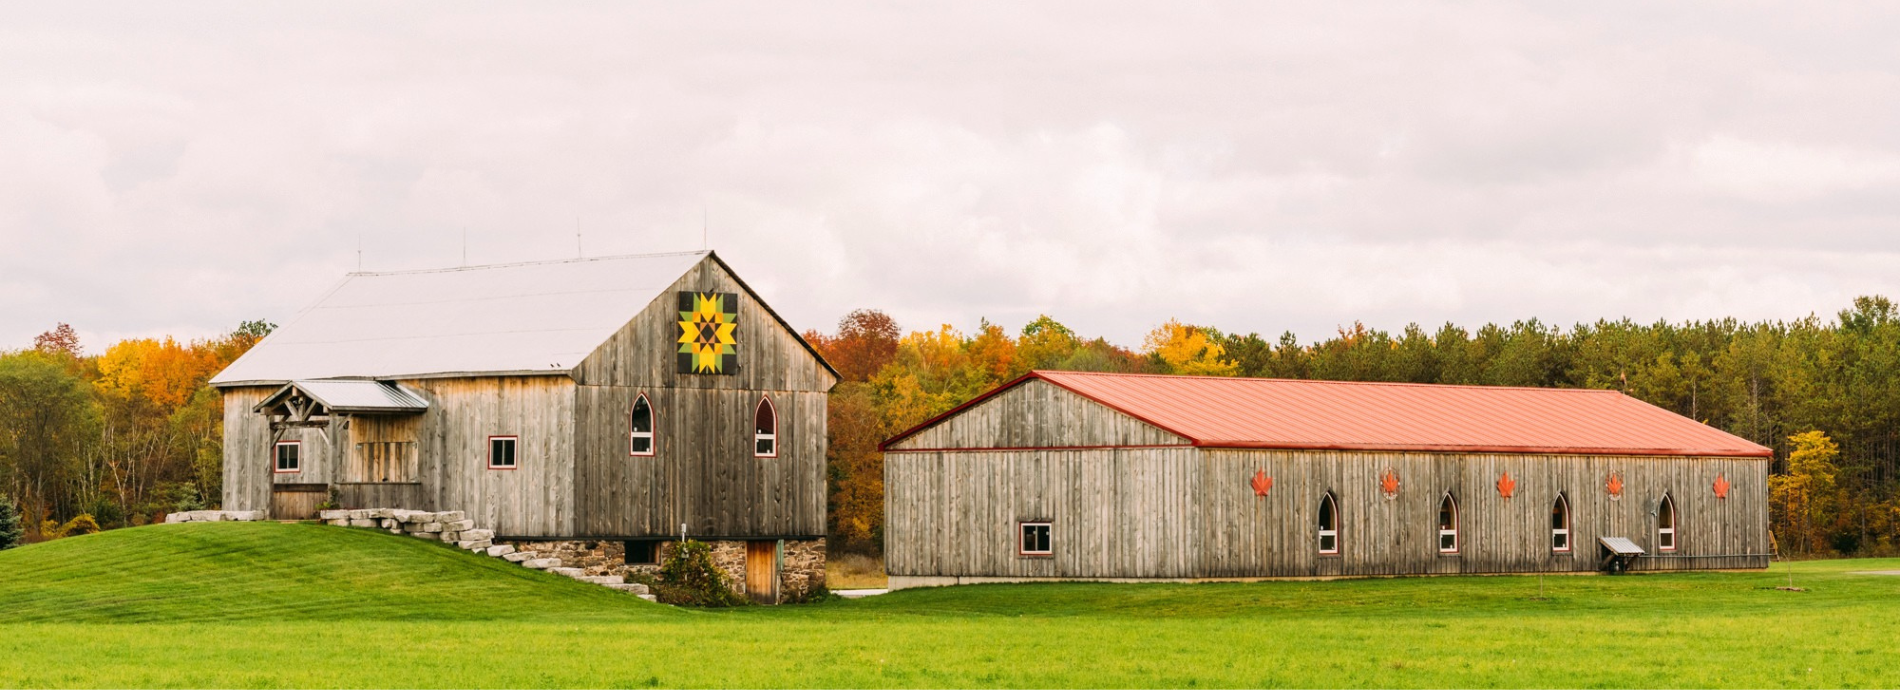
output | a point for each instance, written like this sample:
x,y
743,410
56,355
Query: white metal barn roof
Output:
x,y
521,318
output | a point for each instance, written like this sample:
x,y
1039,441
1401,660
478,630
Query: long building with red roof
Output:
x,y
1076,475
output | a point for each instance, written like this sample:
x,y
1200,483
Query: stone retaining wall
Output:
x,y
800,574
452,526
215,516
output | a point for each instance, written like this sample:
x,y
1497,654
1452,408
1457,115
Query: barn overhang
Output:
x,y
314,404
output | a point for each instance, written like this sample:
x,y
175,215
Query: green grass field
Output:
x,y
269,605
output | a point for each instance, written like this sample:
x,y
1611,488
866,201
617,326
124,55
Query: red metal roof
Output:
x,y
1280,413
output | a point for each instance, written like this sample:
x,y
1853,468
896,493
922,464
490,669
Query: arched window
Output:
x,y
765,430
1448,524
1328,524
1560,524
640,421
1666,524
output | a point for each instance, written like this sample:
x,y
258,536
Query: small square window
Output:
x,y
1035,539
289,456
643,553
501,452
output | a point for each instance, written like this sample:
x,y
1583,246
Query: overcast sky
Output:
x,y
175,169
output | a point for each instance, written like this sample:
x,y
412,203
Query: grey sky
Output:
x,y
174,169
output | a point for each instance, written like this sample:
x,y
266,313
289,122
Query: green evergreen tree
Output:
x,y
11,533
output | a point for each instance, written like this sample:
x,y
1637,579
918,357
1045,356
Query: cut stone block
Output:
x,y
570,572
451,536
426,535
500,550
542,563
334,514
649,597
426,526
457,525
354,522
475,534
602,579
518,556
451,516
629,587
477,545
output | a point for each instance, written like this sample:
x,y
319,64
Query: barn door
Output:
x,y
296,501
761,571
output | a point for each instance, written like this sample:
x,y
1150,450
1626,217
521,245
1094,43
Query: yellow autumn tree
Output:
x,y
1189,350
1800,495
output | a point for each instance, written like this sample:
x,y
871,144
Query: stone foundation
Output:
x,y
801,571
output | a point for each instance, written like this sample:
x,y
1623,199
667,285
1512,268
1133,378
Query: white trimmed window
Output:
x,y
501,452
1328,524
1035,539
1448,524
288,457
765,430
1560,525
1666,524
640,439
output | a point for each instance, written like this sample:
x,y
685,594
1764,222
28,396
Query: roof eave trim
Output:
x,y
248,383
1036,374
1515,450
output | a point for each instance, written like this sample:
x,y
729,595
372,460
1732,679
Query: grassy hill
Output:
x,y
249,571
269,605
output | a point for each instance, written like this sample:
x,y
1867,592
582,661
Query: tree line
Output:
x,y
1823,393
118,438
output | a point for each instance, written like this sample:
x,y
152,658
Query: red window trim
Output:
x,y
491,452
653,437
765,401
1020,524
273,457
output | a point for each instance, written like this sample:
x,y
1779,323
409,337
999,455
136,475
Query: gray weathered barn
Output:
x,y
611,402
1068,475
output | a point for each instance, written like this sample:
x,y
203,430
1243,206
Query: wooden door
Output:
x,y
761,571
296,501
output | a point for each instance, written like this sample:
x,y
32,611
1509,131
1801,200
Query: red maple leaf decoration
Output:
x,y
1389,483
1721,486
1616,485
1261,483
1506,485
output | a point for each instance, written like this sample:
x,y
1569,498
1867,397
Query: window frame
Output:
x,y
1324,532
651,434
514,455
765,403
1667,508
1456,538
1049,537
277,462
652,545
1564,531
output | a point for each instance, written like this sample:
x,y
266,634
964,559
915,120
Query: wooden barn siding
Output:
x,y
1113,513
703,472
247,462
1277,535
1038,414
536,498
643,352
1167,513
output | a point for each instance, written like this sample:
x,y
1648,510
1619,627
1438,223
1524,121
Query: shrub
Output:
x,y
83,524
12,533
689,578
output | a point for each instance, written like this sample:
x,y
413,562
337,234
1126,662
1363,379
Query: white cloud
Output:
x,y
1254,167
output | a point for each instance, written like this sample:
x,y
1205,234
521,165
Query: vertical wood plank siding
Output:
x,y
534,499
1192,513
247,460
703,472
1041,415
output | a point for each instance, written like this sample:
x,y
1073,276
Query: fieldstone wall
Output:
x,y
215,516
800,575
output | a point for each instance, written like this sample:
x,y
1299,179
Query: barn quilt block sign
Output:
x,y
708,335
